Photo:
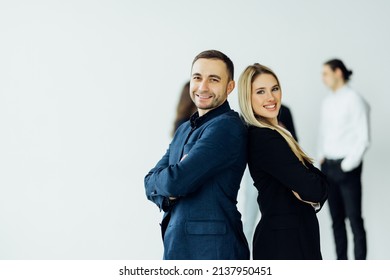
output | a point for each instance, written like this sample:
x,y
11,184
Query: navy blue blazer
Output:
x,y
203,222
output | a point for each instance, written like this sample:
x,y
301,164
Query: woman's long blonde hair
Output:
x,y
245,101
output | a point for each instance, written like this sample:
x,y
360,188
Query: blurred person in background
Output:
x,y
185,108
343,140
285,120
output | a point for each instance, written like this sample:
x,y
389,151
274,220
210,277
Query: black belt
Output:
x,y
334,161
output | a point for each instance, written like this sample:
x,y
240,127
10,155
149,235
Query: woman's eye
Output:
x,y
260,92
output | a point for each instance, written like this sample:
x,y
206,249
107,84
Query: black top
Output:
x,y
288,228
285,119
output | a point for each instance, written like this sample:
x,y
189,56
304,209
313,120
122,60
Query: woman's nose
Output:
x,y
270,96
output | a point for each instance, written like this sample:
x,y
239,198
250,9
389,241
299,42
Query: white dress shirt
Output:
x,y
344,128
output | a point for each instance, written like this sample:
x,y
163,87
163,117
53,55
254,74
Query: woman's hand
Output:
x,y
309,202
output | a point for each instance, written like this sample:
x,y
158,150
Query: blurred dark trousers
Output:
x,y
345,201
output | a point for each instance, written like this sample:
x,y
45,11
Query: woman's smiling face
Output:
x,y
266,97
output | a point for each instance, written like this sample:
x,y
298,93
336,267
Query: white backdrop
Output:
x,y
88,90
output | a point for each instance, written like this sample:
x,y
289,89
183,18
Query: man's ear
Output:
x,y
338,72
230,86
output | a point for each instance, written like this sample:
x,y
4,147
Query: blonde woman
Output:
x,y
290,189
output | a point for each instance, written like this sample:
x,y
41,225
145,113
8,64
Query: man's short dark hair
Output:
x,y
214,54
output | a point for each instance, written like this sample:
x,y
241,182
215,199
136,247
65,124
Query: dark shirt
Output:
x,y
288,228
285,119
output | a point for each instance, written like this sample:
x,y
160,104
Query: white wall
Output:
x,y
87,97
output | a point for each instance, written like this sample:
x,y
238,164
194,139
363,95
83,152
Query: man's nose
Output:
x,y
204,85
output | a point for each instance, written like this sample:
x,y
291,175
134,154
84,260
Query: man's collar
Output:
x,y
197,121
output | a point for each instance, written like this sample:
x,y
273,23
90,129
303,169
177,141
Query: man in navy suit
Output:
x,y
196,182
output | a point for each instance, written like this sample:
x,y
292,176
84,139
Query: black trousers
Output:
x,y
345,201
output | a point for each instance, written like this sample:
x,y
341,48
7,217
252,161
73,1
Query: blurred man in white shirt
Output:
x,y
343,140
